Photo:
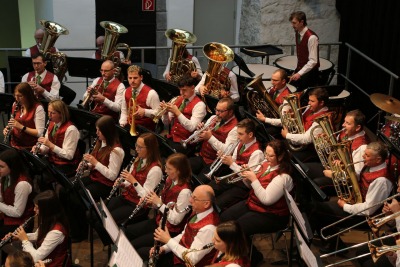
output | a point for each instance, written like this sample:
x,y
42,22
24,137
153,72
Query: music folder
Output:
x,y
304,250
108,222
125,254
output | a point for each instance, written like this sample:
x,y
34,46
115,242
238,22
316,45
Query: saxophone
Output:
x,y
8,135
161,111
38,144
188,262
83,164
9,238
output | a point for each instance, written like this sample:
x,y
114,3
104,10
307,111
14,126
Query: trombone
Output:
x,y
375,251
356,214
235,177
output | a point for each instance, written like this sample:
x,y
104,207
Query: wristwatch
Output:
x,y
23,129
158,205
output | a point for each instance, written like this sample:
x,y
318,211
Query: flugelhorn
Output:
x,y
186,259
218,161
9,128
194,138
161,111
351,216
235,177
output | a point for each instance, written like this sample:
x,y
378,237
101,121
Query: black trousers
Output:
x,y
310,79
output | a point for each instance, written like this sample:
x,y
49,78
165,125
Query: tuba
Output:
x,y
293,120
180,66
131,116
59,60
344,176
259,99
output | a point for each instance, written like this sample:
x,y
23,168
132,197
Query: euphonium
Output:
x,y
131,116
180,66
293,120
344,176
59,60
16,108
188,262
218,161
161,111
259,99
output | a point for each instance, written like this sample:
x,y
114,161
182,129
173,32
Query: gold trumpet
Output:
x,y
235,177
161,111
87,101
351,216
131,116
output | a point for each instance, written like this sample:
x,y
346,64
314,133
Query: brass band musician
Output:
x,y
186,55
33,50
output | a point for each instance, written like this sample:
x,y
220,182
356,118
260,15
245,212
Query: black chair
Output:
x,y
166,91
147,77
68,95
84,120
261,132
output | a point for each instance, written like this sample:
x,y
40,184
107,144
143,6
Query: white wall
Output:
x,y
180,15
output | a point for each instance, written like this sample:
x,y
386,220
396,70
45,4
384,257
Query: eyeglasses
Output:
x,y
269,156
220,111
196,199
139,147
105,71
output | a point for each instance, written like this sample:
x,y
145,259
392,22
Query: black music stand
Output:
x,y
38,167
242,65
84,120
262,51
84,67
19,66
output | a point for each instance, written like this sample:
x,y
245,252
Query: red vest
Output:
x,y
58,140
191,231
207,152
279,208
245,156
9,197
366,178
356,142
19,138
110,92
103,156
147,123
45,83
177,132
280,98
308,118
302,50
130,193
60,252
35,50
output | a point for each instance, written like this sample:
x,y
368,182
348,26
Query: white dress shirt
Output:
x,y
55,86
234,91
194,60
119,96
152,101
21,191
358,153
312,52
50,242
111,171
204,236
378,190
230,139
174,216
2,85
256,157
39,119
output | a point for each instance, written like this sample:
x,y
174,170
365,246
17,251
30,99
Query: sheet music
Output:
x,y
93,202
305,252
108,222
296,212
126,256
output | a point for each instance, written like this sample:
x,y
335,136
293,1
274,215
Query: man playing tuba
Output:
x,y
146,100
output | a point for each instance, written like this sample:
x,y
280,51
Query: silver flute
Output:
x,y
39,144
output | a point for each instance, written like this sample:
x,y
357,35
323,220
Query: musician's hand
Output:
x,y
284,132
341,203
386,208
20,234
45,141
205,135
5,130
295,77
249,175
117,181
260,116
394,206
162,235
40,264
168,76
123,124
38,89
128,176
227,160
203,90
152,198
89,89
224,93
200,125
91,159
140,112
328,173
99,98
161,251
173,109
8,236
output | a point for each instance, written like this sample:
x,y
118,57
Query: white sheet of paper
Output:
x,y
126,256
108,222
305,252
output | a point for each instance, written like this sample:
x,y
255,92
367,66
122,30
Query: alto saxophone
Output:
x,y
39,144
188,262
9,238
9,128
161,111
83,164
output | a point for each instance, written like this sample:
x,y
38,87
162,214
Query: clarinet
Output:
x,y
38,144
8,239
157,244
121,180
7,136
83,164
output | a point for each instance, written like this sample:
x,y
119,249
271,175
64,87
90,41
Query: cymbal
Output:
x,y
393,118
386,103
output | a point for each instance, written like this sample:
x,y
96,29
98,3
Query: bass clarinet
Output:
x,y
38,144
9,238
83,164
157,244
121,180
7,136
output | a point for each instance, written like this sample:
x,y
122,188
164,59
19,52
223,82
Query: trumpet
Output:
x,y
235,177
8,239
375,251
188,262
131,117
194,138
351,216
161,111
218,162
87,101
7,136
38,144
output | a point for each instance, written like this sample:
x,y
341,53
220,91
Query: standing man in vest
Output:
x,y
306,72
198,232
147,101
375,186
110,92
33,50
184,115
221,133
44,83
